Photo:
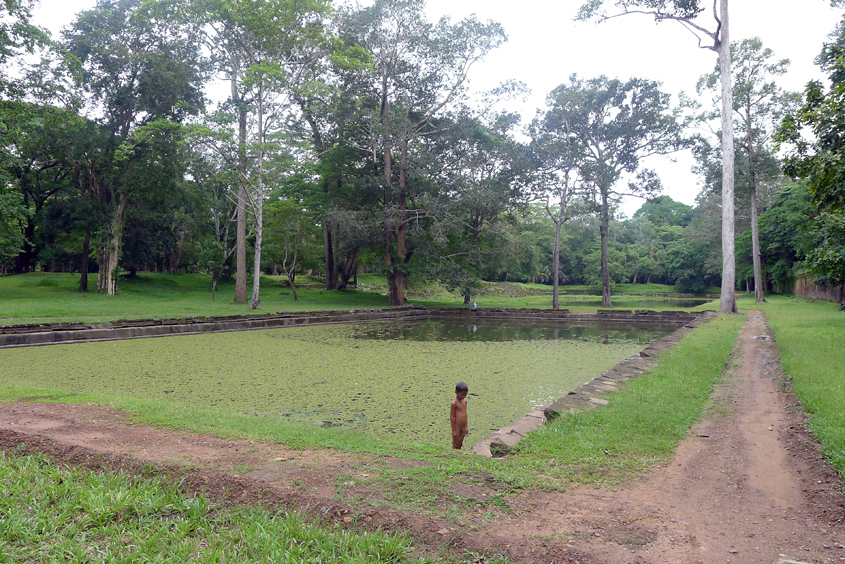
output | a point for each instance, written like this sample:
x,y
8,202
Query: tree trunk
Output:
x,y
727,303
556,267
467,299
256,264
176,257
755,249
331,269
605,270
240,236
350,268
396,288
752,190
83,268
107,277
258,206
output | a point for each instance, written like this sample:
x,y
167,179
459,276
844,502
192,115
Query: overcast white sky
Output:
x,y
545,46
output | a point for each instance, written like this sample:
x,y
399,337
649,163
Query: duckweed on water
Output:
x,y
339,375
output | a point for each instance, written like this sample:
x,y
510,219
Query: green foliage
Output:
x,y
820,157
789,230
13,214
615,264
663,210
685,265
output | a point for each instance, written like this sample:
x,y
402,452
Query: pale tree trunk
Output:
x,y
752,190
240,234
556,266
727,303
561,217
400,278
605,270
258,206
107,277
256,265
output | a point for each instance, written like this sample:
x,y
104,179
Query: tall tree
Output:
x,y
758,105
616,125
263,49
557,152
820,156
419,72
686,13
143,74
483,175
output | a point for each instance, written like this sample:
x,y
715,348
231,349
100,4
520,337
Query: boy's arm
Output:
x,y
452,416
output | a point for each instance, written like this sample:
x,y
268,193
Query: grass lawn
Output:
x,y
40,297
810,337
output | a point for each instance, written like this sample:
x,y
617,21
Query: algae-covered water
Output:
x,y
385,378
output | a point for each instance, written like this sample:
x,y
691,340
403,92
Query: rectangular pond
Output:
x,y
384,377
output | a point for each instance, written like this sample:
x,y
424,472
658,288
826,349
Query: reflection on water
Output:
x,y
509,330
622,303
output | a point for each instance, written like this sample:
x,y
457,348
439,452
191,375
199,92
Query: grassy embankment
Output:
x,y
810,337
51,297
54,514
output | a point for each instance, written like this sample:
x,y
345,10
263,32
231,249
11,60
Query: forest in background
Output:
x,y
348,141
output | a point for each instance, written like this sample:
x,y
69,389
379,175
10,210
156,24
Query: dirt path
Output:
x,y
748,485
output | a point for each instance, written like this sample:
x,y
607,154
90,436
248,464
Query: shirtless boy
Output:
x,y
458,416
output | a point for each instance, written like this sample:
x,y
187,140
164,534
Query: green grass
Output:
x,y
52,297
810,337
643,424
49,297
52,514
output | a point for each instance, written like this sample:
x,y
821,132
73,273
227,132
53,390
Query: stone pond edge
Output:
x,y
588,395
26,335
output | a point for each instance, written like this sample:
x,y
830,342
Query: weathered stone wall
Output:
x,y
806,288
52,333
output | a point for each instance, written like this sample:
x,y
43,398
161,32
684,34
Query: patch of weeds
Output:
x,y
454,513
242,469
149,470
297,483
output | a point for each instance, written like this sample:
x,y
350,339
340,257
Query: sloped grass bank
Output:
x,y
811,339
645,422
53,514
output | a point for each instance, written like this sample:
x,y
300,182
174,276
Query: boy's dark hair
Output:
x,y
461,387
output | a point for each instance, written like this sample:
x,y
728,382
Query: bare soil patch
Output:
x,y
748,485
